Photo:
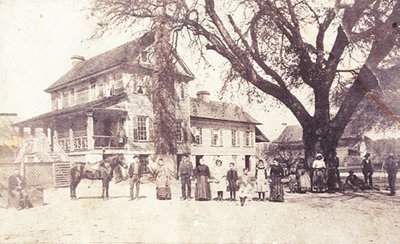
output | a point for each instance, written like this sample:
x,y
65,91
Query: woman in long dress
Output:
x,y
162,181
261,180
276,174
218,176
202,174
304,176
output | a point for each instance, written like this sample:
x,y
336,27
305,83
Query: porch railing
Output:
x,y
65,144
80,143
108,142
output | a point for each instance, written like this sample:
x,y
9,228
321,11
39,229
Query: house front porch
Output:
x,y
87,134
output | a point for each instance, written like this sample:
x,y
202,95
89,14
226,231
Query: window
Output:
x,y
197,134
92,92
182,91
179,131
248,139
71,97
235,138
65,98
216,137
140,132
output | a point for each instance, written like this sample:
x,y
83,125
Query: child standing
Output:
x,y
245,187
232,180
261,180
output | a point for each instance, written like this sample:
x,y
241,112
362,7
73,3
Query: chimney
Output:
x,y
75,59
203,96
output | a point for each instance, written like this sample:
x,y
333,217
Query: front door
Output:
x,y
247,162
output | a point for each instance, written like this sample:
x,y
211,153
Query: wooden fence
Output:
x,y
43,175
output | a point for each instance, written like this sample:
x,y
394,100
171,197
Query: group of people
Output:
x,y
324,175
219,180
389,165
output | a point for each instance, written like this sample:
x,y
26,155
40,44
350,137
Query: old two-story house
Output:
x,y
223,131
102,107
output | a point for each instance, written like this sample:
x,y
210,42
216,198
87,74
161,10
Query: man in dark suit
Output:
x,y
186,174
17,189
135,173
391,167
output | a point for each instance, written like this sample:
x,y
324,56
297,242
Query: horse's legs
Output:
x,y
107,186
73,185
103,188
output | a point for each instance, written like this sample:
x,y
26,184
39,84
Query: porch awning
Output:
x,y
47,119
100,105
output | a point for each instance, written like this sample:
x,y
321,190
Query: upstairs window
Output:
x,y
179,131
216,137
248,138
197,134
92,91
235,138
71,95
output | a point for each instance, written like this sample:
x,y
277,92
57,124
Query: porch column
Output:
x,y
21,136
55,134
52,140
71,135
125,127
89,130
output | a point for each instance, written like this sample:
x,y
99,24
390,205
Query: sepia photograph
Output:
x,y
199,121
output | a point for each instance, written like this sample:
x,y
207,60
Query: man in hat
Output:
x,y
391,167
367,169
135,173
17,189
186,174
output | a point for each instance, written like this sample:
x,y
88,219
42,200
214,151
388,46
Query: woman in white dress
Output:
x,y
219,176
261,180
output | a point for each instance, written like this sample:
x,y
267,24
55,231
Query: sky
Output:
x,y
38,37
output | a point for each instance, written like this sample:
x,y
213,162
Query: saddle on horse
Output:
x,y
93,171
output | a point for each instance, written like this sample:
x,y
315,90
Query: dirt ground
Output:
x,y
365,217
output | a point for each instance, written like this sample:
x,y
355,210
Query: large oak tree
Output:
x,y
330,49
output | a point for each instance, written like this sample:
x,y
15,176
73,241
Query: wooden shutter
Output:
x,y
221,139
135,128
150,129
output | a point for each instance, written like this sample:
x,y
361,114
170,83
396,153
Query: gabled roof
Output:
x,y
112,58
89,106
219,111
293,134
260,137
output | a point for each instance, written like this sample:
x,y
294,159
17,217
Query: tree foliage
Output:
x,y
297,51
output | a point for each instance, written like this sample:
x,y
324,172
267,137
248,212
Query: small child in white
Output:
x,y
245,187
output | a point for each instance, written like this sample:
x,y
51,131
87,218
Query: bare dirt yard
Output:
x,y
362,217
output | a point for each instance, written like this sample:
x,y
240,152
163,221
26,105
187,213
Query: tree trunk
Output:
x,y
320,139
163,94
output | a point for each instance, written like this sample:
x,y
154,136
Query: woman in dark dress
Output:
x,y
276,174
202,174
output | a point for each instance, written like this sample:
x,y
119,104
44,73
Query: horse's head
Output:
x,y
121,160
